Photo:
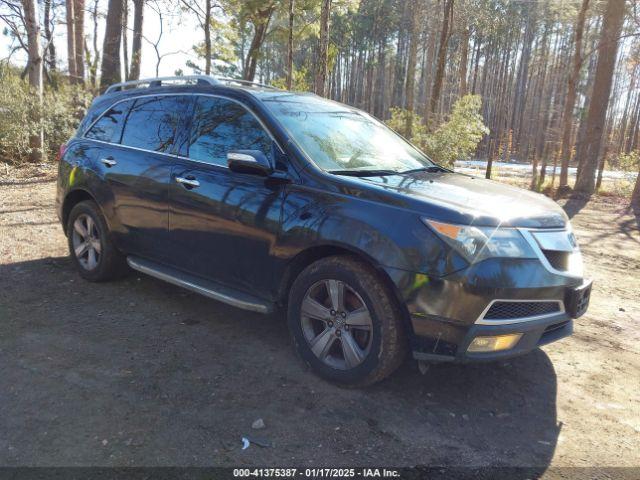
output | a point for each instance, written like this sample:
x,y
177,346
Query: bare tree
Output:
x,y
78,31
34,67
155,44
49,21
93,63
71,39
204,19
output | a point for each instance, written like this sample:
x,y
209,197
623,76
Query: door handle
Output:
x,y
109,162
188,182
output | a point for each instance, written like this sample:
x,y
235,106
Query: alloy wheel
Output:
x,y
336,324
86,242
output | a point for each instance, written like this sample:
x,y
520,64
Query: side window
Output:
x,y
154,123
221,125
108,128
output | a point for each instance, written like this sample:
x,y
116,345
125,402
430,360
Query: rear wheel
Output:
x,y
90,245
345,323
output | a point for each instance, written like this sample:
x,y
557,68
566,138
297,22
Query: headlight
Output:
x,y
480,243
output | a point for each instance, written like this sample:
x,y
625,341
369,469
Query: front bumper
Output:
x,y
535,333
445,314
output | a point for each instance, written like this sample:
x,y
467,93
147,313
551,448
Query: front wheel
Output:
x,y
344,322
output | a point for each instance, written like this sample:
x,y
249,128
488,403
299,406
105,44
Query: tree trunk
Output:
x,y
136,48
397,98
78,31
261,26
442,55
207,38
322,61
634,128
111,47
477,61
50,53
125,38
635,196
290,48
627,105
71,40
464,58
414,38
93,67
571,96
34,68
607,53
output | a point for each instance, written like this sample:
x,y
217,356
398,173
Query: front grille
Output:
x,y
509,310
558,260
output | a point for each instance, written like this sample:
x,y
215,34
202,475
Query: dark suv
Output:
x,y
262,198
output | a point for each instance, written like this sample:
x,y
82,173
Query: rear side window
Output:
x,y
221,125
108,128
154,123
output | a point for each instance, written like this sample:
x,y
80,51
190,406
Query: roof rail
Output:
x,y
159,81
243,82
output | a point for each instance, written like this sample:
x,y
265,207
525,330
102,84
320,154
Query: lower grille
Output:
x,y
509,310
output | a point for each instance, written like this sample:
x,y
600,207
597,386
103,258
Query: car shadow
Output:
x,y
506,410
147,367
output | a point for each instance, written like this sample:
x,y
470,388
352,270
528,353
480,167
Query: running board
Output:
x,y
199,285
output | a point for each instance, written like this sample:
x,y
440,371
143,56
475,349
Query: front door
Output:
x,y
223,225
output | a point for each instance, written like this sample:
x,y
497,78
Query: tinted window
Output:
x,y
221,125
154,123
109,127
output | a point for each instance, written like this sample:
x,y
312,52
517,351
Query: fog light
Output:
x,y
494,344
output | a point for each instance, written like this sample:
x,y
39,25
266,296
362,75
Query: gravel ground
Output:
x,y
141,373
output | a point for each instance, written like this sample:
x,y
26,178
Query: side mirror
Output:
x,y
253,162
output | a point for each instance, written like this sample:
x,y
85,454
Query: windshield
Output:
x,y
338,139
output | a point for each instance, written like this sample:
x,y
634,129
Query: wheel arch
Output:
x,y
317,252
71,200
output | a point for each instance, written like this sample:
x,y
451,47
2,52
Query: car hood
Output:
x,y
469,200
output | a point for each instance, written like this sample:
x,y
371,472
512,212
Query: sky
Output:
x,y
180,34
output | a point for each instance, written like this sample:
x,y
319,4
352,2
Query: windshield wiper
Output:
x,y
430,169
364,173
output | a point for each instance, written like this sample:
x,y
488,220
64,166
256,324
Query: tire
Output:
x,y
381,342
87,231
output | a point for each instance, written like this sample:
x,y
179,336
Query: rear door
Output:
x,y
137,168
224,228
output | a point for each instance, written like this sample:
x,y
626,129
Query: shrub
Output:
x,y
400,118
458,137
455,139
629,162
300,81
58,116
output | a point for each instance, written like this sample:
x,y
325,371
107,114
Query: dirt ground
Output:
x,y
139,372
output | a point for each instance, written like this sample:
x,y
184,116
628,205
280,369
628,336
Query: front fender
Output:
x,y
390,236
